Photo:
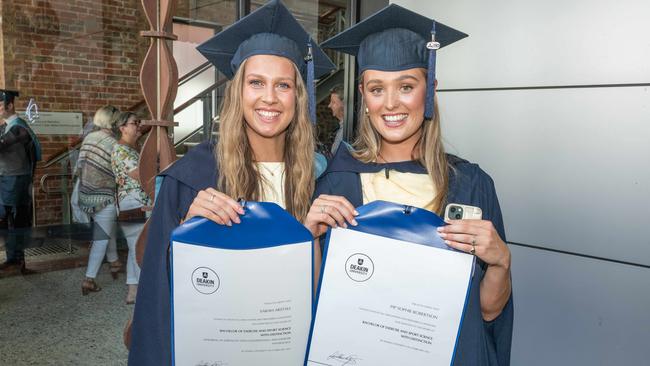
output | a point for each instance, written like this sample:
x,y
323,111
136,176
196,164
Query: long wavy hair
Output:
x,y
238,173
429,151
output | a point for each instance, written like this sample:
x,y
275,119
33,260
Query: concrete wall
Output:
x,y
551,98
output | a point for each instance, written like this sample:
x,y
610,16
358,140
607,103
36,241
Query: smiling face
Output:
x,y
395,102
268,96
130,131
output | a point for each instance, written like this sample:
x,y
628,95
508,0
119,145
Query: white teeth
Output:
x,y
268,114
395,117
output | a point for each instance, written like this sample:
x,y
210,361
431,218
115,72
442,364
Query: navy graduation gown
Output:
x,y
480,342
151,327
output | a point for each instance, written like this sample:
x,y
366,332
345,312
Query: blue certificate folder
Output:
x,y
354,298
243,293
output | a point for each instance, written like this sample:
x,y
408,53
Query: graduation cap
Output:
x,y
269,30
396,39
8,95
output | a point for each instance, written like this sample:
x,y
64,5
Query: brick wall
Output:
x,y
71,55
2,74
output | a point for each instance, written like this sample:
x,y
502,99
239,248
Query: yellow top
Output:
x,y
405,188
272,184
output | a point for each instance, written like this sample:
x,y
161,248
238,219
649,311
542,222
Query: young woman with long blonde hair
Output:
x,y
265,152
399,156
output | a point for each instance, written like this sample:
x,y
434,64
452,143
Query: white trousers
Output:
x,y
106,219
131,232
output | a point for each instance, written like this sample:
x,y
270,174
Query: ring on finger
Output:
x,y
322,209
473,250
212,198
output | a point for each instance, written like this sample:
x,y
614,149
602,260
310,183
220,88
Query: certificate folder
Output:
x,y
241,295
391,292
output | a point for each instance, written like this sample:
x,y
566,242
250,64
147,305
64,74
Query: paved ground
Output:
x,y
44,320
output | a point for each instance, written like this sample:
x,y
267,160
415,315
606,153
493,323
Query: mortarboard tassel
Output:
x,y
431,74
310,84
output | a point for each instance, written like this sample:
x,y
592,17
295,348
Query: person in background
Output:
x,y
131,197
97,192
19,152
337,107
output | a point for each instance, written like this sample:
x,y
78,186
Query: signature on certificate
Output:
x,y
344,359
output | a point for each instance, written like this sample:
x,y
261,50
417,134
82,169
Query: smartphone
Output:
x,y
456,211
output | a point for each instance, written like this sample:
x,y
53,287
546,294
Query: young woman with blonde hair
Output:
x,y
265,152
399,157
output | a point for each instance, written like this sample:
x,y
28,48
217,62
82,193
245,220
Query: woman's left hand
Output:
x,y
478,237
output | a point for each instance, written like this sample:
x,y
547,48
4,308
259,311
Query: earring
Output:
x,y
366,110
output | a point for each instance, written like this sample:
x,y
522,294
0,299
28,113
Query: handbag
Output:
x,y
78,215
135,214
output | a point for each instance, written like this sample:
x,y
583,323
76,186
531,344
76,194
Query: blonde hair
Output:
x,y
238,173
429,151
106,116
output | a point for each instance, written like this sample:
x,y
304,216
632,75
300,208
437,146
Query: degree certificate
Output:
x,y
240,304
384,301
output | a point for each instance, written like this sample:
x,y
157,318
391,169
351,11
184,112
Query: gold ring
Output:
x,y
473,251
322,209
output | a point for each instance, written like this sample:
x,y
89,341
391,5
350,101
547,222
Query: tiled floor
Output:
x,y
44,319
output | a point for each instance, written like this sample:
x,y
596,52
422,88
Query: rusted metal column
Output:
x,y
159,81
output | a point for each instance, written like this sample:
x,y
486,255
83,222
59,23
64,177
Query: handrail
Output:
x,y
188,136
63,153
194,72
52,175
137,106
191,101
329,13
182,80
199,23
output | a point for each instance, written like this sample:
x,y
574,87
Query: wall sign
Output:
x,y
56,123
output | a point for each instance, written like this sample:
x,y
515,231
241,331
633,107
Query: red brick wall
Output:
x,y
72,56
2,74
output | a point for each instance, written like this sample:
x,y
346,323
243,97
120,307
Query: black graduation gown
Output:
x,y
151,328
480,343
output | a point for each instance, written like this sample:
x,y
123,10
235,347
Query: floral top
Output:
x,y
123,160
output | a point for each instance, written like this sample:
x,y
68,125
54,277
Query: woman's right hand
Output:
x,y
216,206
331,211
